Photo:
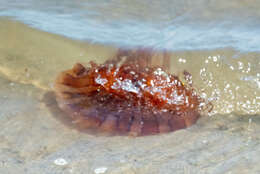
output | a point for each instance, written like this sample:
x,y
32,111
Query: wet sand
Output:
x,y
35,136
41,55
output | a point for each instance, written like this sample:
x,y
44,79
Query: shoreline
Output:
x,y
36,57
36,137
33,49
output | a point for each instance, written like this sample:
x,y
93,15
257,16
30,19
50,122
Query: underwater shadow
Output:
x,y
49,99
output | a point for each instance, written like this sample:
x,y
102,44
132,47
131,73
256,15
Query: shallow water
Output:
x,y
216,41
174,25
221,37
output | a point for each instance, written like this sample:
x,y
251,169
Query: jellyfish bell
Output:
x,y
127,97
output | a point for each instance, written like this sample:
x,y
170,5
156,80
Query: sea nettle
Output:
x,y
128,96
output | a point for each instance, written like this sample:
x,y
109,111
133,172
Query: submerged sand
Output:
x,y
35,136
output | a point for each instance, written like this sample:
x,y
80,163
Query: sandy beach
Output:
x,y
36,137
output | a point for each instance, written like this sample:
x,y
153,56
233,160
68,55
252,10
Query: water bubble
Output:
x,y
100,170
60,162
240,65
204,95
204,141
215,58
181,60
228,85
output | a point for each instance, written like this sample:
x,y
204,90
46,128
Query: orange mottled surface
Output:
x,y
127,97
